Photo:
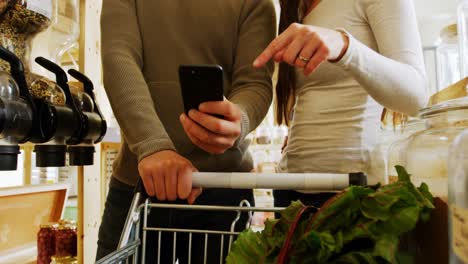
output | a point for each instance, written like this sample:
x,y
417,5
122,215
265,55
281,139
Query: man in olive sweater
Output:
x,y
143,44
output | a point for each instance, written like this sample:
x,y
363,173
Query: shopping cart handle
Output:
x,y
279,181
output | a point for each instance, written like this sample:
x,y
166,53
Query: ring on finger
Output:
x,y
304,59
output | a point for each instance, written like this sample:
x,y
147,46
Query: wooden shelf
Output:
x,y
23,210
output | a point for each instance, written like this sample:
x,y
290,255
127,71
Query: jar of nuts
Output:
x,y
21,21
48,90
46,243
4,5
66,241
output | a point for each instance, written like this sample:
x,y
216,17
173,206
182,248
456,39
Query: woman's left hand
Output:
x,y
305,47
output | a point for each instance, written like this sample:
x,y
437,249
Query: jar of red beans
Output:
x,y
46,243
66,241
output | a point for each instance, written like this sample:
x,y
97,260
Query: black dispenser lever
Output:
x,y
89,89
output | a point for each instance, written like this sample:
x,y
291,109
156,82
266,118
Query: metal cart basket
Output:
x,y
132,245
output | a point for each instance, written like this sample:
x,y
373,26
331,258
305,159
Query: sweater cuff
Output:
x,y
347,58
150,147
245,127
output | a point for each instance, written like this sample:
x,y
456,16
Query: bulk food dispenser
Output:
x,y
94,130
48,115
79,123
58,120
16,111
45,110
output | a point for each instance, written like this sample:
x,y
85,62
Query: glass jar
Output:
x,y
462,14
279,135
64,260
43,88
47,175
66,241
82,99
46,243
16,117
259,157
448,63
20,24
458,199
397,140
424,154
65,28
263,136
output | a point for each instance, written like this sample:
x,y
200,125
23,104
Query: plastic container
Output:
x,y
458,200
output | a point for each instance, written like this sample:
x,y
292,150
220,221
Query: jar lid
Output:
x,y
67,221
67,227
450,31
450,105
49,225
66,259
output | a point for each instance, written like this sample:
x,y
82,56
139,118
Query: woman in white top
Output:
x,y
346,60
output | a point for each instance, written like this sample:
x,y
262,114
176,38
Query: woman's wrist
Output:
x,y
345,47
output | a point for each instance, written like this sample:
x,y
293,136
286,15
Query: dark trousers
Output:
x,y
284,198
117,206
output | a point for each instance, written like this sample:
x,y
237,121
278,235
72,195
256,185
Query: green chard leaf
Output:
x,y
316,247
249,248
403,175
340,210
387,248
359,225
356,258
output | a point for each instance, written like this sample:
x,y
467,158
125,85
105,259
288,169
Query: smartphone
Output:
x,y
200,84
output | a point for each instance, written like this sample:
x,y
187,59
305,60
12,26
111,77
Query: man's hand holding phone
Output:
x,y
210,133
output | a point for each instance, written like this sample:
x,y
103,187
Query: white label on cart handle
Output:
x,y
243,181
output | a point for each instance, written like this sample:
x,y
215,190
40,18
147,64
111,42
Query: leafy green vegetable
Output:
x,y
359,225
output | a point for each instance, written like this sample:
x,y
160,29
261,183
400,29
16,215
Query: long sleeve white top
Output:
x,y
338,107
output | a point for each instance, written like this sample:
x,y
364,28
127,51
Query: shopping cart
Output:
x,y
132,245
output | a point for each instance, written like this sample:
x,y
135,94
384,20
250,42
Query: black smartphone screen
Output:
x,y
199,84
